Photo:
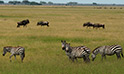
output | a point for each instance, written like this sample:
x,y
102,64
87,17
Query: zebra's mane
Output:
x,y
96,49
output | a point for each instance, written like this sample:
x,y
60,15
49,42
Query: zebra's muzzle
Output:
x,y
3,54
63,48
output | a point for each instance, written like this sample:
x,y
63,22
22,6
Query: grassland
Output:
x,y
43,47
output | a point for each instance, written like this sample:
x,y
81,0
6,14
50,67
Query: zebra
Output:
x,y
107,50
14,51
77,52
64,47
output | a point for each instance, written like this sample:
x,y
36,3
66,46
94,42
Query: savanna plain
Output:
x,y
43,44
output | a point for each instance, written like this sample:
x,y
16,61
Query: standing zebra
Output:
x,y
14,51
77,52
107,50
64,47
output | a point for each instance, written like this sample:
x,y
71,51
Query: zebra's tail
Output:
x,y
23,54
122,54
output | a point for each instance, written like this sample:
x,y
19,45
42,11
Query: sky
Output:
x,y
80,1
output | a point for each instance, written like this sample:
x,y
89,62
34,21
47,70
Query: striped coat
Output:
x,y
78,52
107,50
14,51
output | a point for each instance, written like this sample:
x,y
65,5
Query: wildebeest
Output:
x,y
99,25
88,24
14,51
107,50
23,23
76,52
43,23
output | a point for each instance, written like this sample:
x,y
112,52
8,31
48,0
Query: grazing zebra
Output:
x,y
107,50
77,52
14,51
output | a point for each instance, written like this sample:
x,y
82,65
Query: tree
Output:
x,y
25,2
34,3
50,3
14,2
42,3
72,3
1,2
94,3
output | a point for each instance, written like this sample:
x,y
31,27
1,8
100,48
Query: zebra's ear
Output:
x,y
69,43
61,40
64,41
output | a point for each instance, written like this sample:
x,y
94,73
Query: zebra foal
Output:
x,y
107,50
14,51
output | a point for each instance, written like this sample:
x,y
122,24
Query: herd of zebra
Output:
x,y
84,52
89,24
25,22
73,52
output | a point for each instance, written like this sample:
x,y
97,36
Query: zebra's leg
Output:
x,y
84,58
22,57
15,57
118,55
103,55
69,57
88,59
72,59
76,59
10,57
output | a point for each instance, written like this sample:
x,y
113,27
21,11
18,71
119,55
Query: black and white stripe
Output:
x,y
107,50
76,52
14,51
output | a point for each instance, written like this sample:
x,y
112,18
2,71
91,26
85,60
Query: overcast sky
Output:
x,y
79,1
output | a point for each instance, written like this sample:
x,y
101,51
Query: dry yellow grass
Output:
x,y
43,46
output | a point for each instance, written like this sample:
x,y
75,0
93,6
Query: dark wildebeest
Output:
x,y
43,23
99,25
14,51
88,24
23,23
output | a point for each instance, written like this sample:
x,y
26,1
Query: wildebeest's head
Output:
x,y
27,21
103,26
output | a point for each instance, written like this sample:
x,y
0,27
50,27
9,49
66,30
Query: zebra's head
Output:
x,y
67,49
5,50
63,44
93,56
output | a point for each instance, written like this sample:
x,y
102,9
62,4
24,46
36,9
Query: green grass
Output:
x,y
43,45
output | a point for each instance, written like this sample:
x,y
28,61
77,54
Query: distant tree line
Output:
x,y
27,2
